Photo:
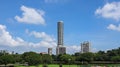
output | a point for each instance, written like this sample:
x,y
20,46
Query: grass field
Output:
x,y
90,65
52,66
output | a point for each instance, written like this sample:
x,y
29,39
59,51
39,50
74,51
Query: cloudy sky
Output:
x,y
31,25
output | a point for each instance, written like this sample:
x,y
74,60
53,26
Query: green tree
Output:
x,y
17,58
77,54
32,58
5,59
115,58
46,58
67,58
86,57
54,57
101,56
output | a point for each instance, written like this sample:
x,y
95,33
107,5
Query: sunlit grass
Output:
x,y
90,65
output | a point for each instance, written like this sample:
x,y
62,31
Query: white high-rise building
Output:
x,y
50,51
60,49
85,47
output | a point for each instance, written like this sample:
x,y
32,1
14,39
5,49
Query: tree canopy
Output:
x,y
33,58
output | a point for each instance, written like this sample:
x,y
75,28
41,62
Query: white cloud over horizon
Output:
x,y
114,27
46,41
73,48
109,11
7,40
31,16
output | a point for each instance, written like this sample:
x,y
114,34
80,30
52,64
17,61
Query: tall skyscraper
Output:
x,y
60,33
60,47
85,47
50,51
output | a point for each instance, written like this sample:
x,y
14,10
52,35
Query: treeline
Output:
x,y
32,58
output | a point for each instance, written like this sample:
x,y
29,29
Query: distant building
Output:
x,y
60,49
85,47
43,53
4,52
50,51
13,52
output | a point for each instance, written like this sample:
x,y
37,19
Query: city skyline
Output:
x,y
31,25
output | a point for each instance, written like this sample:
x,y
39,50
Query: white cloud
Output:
x,y
19,44
42,35
114,27
7,39
73,48
110,11
47,40
31,16
94,50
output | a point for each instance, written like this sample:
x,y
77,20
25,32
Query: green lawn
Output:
x,y
52,65
63,65
91,65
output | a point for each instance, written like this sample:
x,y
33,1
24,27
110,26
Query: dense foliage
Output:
x,y
32,58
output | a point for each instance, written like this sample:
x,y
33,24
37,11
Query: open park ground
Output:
x,y
89,65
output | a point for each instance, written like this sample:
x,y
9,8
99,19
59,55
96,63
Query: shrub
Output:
x,y
11,66
45,65
60,65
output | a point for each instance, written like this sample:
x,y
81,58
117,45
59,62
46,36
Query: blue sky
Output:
x,y
31,25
